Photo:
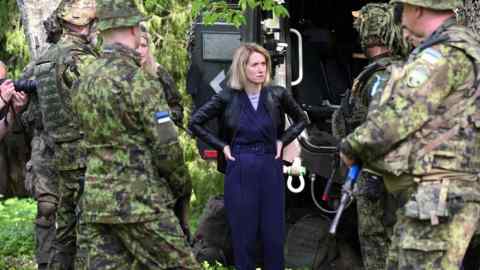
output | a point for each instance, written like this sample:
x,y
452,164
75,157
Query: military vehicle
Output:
x,y
316,55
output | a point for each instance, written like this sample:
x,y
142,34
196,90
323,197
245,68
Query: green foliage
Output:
x,y
14,49
169,27
16,233
217,266
214,11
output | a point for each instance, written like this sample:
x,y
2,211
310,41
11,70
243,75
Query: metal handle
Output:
x,y
298,170
300,187
300,56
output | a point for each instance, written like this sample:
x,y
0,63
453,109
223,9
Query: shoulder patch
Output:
x,y
418,76
379,81
430,55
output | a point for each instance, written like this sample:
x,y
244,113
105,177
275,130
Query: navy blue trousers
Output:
x,y
254,200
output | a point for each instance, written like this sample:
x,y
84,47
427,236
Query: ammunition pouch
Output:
x,y
429,202
441,198
370,186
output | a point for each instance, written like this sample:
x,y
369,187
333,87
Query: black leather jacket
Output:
x,y
225,106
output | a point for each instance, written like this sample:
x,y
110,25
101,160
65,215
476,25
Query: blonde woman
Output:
x,y
251,137
149,64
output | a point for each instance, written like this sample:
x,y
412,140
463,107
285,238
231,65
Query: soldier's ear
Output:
x,y
135,31
419,12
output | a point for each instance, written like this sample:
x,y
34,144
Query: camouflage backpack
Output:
x,y
354,106
212,240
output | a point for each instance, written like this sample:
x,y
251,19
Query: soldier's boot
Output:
x,y
62,259
45,232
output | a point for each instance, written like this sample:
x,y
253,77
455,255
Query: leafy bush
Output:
x,y
16,233
13,45
169,25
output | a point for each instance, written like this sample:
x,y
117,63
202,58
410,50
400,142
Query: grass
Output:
x,y
17,235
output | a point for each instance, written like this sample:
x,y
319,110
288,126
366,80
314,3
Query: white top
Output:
x,y
254,100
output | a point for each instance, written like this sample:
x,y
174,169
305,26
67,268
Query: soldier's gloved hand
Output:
x,y
346,154
177,116
347,187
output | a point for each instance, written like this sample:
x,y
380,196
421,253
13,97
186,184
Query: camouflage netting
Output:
x,y
376,27
471,13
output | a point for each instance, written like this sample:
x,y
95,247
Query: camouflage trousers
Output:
x,y
417,244
376,217
41,182
156,244
64,245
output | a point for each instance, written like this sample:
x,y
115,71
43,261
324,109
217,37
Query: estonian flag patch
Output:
x,y
162,117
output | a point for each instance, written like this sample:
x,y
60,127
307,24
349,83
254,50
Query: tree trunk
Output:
x,y
34,12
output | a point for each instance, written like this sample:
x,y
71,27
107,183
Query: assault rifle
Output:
x,y
347,195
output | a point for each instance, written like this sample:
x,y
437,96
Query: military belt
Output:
x,y
440,175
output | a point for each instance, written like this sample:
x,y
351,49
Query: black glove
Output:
x,y
177,116
181,211
345,148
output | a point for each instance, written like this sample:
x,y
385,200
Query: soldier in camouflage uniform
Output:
x,y
174,101
133,179
381,40
57,165
424,136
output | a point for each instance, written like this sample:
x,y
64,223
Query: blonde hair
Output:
x,y
150,65
237,76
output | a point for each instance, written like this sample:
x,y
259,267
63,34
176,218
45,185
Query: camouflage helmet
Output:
x,y
118,13
433,4
376,27
76,12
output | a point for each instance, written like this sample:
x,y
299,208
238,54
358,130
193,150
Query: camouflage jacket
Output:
x,y
366,87
69,57
132,156
404,136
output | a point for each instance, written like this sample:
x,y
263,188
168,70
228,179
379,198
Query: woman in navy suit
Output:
x,y
251,137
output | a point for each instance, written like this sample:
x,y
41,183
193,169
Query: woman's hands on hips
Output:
x,y
228,153
279,149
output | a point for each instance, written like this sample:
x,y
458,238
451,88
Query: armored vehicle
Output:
x,y
316,55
